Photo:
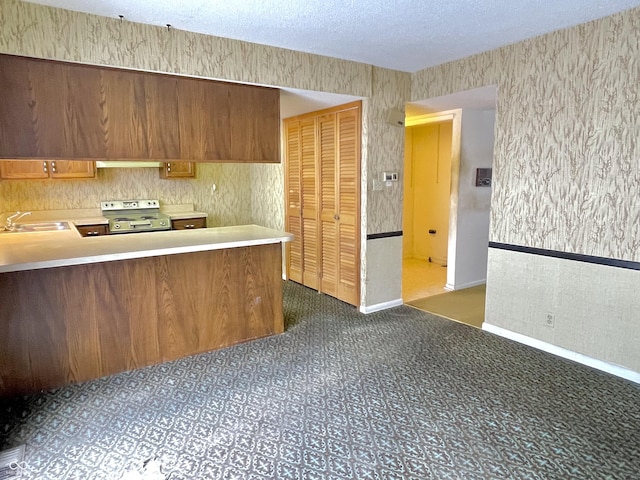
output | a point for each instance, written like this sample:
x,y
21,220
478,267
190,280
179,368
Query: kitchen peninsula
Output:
x,y
74,309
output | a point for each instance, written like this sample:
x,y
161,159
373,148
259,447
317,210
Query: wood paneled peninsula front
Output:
x,y
74,309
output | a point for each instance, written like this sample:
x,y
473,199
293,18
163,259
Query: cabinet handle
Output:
x,y
92,234
168,167
190,226
53,167
44,167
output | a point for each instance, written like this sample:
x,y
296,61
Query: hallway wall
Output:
x,y
470,236
566,177
427,191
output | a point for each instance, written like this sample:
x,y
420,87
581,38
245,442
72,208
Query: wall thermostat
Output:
x,y
483,177
389,176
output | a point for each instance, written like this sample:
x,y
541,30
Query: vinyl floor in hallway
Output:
x,y
397,394
421,278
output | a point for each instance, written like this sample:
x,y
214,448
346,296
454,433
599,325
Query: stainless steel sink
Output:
x,y
40,227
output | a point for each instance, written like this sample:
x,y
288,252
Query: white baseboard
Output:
x,y
611,368
475,283
381,306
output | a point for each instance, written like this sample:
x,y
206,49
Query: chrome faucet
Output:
x,y
10,223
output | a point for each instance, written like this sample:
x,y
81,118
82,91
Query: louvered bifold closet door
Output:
x,y
310,183
293,218
328,215
323,200
347,205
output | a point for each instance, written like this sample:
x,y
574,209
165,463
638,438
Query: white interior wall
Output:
x,y
472,205
594,307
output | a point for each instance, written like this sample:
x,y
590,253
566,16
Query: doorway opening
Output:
x,y
427,193
472,116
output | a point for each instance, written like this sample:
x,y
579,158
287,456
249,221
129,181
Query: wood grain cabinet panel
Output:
x,y
61,103
125,115
17,132
189,223
71,324
203,108
42,169
255,116
23,169
178,170
72,169
58,110
83,113
161,106
93,230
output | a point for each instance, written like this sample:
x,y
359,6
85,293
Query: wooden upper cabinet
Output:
x,y
203,109
82,103
35,169
57,110
17,119
72,169
125,115
178,170
255,124
47,110
24,169
161,106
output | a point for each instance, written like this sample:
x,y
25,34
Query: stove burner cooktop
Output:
x,y
129,216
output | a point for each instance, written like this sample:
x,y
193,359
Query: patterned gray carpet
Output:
x,y
398,394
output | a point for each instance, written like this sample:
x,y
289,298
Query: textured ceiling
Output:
x,y
406,35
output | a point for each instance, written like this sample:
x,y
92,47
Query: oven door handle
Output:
x,y
140,223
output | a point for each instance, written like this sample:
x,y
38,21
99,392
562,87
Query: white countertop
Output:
x,y
35,250
93,216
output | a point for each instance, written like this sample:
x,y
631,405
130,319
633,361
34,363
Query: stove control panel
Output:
x,y
128,205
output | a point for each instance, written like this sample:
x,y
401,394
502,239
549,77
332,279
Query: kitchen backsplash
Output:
x,y
229,204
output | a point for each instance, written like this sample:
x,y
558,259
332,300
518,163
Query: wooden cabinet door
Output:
x,y
125,118
82,112
72,169
17,123
161,106
34,169
255,124
203,110
23,169
47,80
178,170
92,230
189,223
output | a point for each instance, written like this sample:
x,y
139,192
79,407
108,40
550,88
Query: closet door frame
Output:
x,y
353,295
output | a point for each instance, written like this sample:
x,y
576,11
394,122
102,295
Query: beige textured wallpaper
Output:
x,y
567,152
35,30
230,204
44,32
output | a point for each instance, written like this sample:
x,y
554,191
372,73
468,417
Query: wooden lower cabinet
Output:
x,y
189,223
178,170
42,169
75,323
93,230
322,176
